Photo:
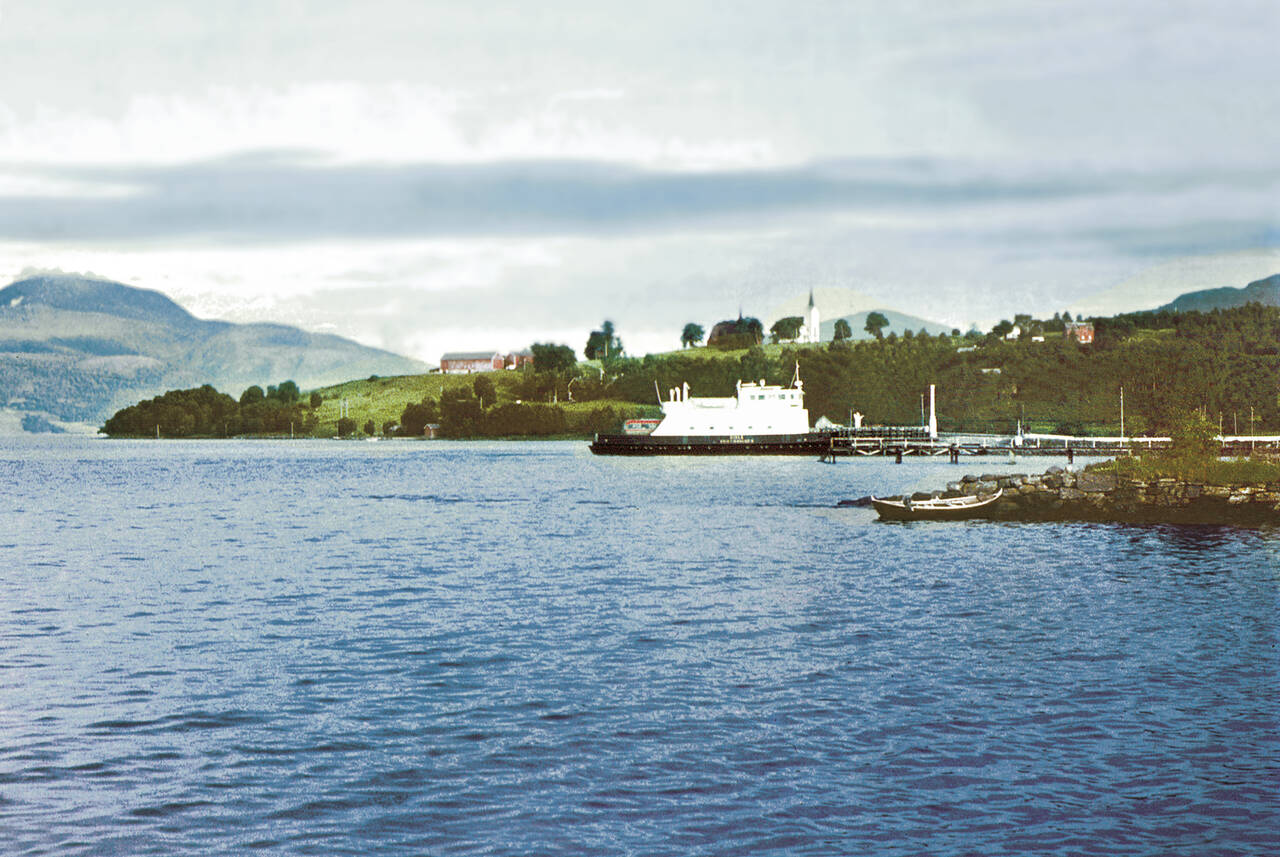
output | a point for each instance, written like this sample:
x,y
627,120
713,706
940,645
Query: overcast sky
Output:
x,y
434,176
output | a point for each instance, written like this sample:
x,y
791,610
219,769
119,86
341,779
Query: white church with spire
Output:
x,y
812,330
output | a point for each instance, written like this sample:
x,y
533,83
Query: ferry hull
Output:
x,y
783,444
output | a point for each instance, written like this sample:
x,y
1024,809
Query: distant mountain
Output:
x,y
76,349
898,323
1266,292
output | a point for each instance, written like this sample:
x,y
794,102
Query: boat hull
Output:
x,y
896,510
785,444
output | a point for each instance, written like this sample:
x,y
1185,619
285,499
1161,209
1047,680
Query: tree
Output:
x,y
602,344
1003,327
691,335
287,392
484,390
842,331
731,335
460,412
786,328
252,396
1194,439
414,419
553,358
369,428
754,364
316,400
876,323
346,426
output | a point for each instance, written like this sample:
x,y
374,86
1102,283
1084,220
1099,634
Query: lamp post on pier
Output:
x,y
1122,416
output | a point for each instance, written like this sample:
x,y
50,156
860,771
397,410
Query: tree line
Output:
x,y
204,412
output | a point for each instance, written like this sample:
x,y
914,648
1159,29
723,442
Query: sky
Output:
x,y
434,176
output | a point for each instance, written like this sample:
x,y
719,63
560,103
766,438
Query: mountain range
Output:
x,y
76,349
1265,291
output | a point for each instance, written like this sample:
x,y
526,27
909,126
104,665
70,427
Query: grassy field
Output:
x,y
703,352
384,399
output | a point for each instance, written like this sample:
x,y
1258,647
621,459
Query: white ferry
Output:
x,y
760,418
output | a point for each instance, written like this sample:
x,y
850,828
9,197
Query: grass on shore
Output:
x,y
1233,471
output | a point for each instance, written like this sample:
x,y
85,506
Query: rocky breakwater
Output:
x,y
1089,495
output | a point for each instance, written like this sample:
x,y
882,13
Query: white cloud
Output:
x,y
347,121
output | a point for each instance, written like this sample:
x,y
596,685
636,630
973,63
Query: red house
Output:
x,y
1080,331
466,362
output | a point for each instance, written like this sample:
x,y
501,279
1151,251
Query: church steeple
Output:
x,y
812,324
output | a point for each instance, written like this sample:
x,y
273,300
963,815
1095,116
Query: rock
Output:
x,y
953,487
990,477
968,477
861,501
1090,481
1055,470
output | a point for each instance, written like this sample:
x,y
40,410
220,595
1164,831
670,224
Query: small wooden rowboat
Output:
x,y
950,509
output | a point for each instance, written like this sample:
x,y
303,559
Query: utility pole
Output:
x,y
1122,415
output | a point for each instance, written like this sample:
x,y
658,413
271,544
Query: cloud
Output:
x,y
284,197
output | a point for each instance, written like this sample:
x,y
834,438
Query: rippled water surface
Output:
x,y
417,648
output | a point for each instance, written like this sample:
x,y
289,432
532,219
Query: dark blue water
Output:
x,y
516,649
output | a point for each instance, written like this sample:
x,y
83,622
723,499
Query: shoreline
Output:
x,y
1097,495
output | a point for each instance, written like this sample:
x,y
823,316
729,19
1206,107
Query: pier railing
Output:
x,y
899,442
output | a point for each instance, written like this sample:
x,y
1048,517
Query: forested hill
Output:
x,y
1225,362
75,348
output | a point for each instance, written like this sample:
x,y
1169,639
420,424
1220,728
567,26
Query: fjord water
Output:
x,y
510,649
